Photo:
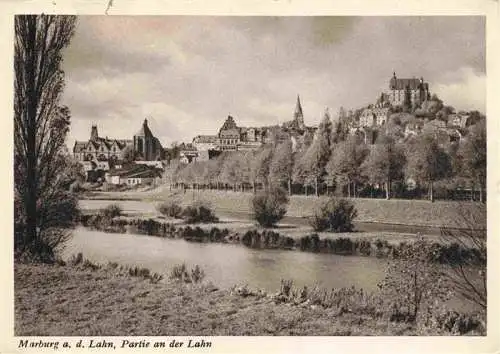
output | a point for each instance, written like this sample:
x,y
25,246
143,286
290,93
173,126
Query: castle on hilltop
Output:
x,y
417,89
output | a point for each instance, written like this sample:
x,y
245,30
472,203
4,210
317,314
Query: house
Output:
x,y
376,116
156,164
434,125
459,120
95,170
136,174
413,128
205,142
188,153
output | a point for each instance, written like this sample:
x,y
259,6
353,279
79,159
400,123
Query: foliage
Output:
x,y
111,211
281,166
180,272
171,208
259,165
235,169
199,212
384,163
414,281
312,164
472,154
427,162
345,163
270,207
335,215
40,124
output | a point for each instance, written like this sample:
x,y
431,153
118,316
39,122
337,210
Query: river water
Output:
x,y
226,264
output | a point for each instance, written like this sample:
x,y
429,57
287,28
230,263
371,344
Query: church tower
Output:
x,y
93,133
298,116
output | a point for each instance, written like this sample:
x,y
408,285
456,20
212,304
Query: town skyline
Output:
x,y
186,86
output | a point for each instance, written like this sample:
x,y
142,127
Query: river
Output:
x,y
227,264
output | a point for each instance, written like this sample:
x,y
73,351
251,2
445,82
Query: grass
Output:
x,y
396,211
99,301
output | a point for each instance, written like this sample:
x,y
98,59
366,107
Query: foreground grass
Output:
x,y
396,211
53,300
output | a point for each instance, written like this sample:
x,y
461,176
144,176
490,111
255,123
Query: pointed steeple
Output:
x,y
298,116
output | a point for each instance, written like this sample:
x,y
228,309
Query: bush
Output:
x,y
170,208
414,282
76,187
336,215
111,211
199,213
270,207
180,272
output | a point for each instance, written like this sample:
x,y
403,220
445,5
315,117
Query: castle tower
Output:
x,y
93,133
298,116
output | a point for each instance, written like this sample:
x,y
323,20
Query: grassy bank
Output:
x,y
397,211
87,300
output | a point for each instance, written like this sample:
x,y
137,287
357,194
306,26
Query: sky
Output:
x,y
186,74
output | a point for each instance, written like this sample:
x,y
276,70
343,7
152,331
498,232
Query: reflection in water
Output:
x,y
227,265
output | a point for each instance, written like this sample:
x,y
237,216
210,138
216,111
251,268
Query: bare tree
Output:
x,y
40,123
467,274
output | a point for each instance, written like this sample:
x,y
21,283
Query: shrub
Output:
x,y
270,207
170,208
111,211
180,272
197,274
335,215
413,281
199,213
76,187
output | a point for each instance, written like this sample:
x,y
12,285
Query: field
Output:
x,y
397,211
86,302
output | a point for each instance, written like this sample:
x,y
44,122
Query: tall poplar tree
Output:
x,y
40,122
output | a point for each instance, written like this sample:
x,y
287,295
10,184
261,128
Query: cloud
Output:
x,y
190,72
467,93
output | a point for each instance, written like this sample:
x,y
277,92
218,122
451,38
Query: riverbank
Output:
x,y
88,300
395,211
297,239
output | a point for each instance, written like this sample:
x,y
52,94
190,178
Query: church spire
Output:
x,y
298,115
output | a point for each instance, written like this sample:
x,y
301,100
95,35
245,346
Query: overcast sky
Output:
x,y
186,74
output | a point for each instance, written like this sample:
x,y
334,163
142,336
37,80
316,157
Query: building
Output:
x,y
416,89
231,137
146,145
205,142
136,174
100,149
372,117
459,120
188,153
413,128
297,123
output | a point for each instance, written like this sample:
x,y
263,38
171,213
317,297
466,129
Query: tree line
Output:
x,y
338,162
